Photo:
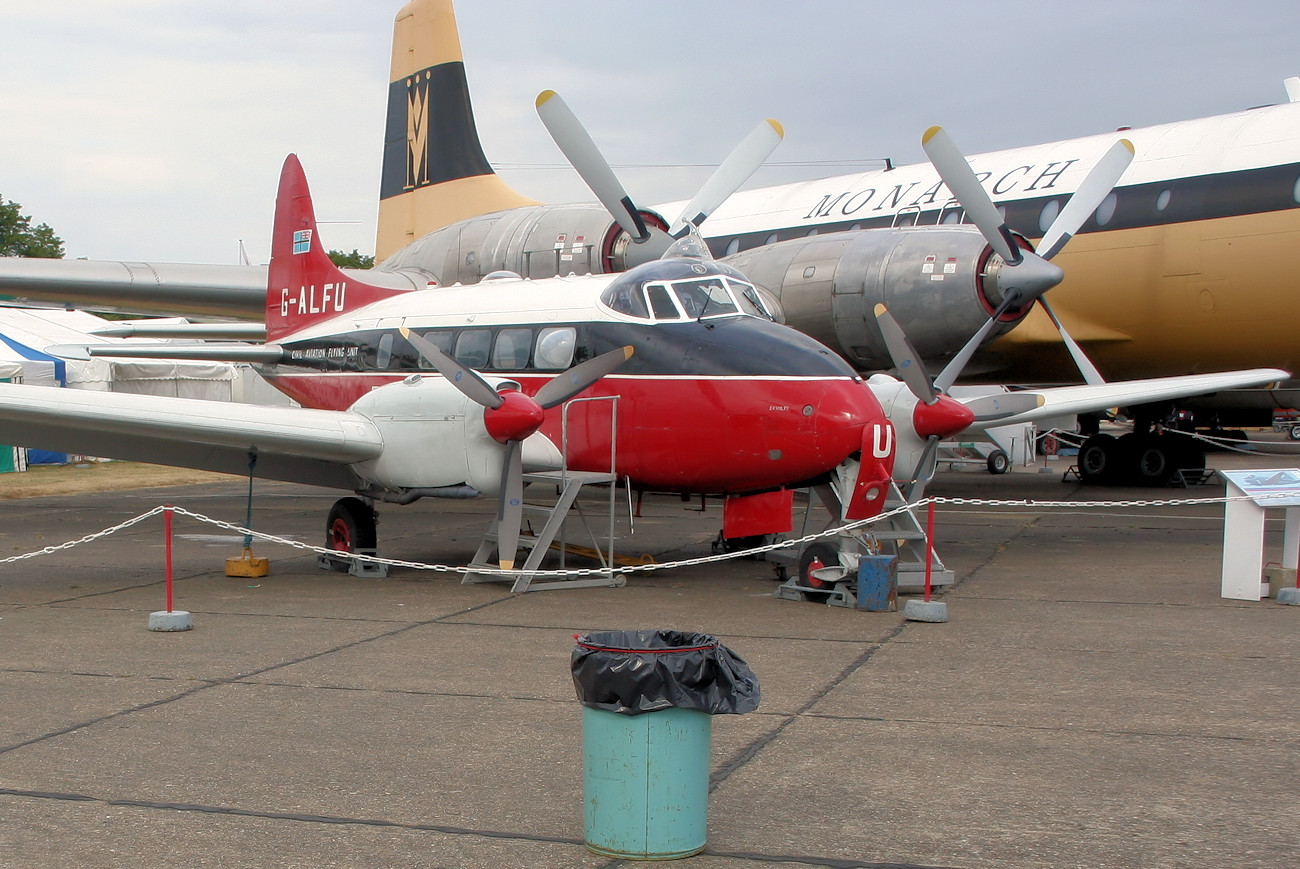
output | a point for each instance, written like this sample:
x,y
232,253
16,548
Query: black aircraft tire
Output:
x,y
350,527
829,556
1155,460
998,462
1098,458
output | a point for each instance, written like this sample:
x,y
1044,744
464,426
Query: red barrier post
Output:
x,y
167,532
929,547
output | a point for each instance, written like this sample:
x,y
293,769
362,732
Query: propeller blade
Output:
x,y
1089,371
1094,188
467,380
564,386
906,360
510,511
960,179
734,171
948,376
578,148
993,407
924,471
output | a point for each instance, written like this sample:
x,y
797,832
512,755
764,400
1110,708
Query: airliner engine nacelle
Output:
x,y
540,241
942,282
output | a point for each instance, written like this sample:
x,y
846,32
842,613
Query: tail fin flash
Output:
x,y
303,284
434,170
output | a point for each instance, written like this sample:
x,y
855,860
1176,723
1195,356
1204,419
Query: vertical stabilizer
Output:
x,y
434,169
303,284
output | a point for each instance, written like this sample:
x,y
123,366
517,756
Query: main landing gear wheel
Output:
x,y
814,557
1098,458
1294,432
349,528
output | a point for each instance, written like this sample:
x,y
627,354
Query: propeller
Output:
x,y
1027,275
732,172
938,415
510,417
579,149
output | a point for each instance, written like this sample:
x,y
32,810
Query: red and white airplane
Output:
x,y
712,395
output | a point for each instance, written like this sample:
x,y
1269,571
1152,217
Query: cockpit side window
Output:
x,y
627,299
661,303
749,299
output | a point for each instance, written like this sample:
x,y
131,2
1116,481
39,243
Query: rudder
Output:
x,y
434,170
303,284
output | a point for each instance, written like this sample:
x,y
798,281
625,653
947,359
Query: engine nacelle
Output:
x,y
541,241
940,282
434,437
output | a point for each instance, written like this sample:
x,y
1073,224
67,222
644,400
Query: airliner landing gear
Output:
x,y
1137,459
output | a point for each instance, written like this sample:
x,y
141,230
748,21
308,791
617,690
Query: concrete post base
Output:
x,y
176,620
925,610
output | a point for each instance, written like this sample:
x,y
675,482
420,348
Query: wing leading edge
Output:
x,y
1066,400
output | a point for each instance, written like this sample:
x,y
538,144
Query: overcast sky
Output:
x,y
155,129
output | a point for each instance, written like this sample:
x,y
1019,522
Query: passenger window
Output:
x,y
510,352
441,340
384,357
661,303
472,347
555,347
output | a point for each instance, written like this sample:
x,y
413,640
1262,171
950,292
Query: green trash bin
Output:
x,y
647,734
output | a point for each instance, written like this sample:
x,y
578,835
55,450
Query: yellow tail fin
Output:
x,y
434,171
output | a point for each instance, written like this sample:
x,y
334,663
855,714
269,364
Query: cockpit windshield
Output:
x,y
687,299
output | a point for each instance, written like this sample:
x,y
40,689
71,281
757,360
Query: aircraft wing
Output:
x,y
1064,400
238,292
297,445
181,289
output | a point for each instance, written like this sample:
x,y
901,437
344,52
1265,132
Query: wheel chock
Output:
x,y
248,565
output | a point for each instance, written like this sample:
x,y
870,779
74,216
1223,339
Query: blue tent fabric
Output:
x,y
41,457
60,367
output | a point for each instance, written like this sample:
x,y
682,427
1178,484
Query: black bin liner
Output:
x,y
631,672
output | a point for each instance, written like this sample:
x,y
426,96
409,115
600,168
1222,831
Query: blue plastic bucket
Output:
x,y
645,781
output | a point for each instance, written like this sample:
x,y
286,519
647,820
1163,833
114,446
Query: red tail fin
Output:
x,y
303,285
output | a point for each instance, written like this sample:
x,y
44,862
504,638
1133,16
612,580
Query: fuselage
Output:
x,y
1190,265
721,401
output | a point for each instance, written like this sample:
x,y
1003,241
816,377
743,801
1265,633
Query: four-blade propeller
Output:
x,y
1027,275
576,144
510,417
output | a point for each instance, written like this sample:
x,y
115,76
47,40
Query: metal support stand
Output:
x,y
568,484
901,535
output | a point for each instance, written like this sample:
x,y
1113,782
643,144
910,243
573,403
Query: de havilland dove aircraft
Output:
x,y
1185,266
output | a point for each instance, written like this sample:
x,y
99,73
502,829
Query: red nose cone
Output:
x,y
518,417
945,418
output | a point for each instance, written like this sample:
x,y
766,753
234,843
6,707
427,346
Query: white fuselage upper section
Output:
x,y
1251,139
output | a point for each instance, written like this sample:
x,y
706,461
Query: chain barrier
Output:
x,y
1021,505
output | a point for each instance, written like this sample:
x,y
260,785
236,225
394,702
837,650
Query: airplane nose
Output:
x,y
849,420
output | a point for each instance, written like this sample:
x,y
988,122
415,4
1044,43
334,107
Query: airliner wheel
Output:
x,y
350,527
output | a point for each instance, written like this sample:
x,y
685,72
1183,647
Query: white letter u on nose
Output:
x,y
882,440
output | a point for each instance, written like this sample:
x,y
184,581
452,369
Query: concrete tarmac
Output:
x,y
1091,702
